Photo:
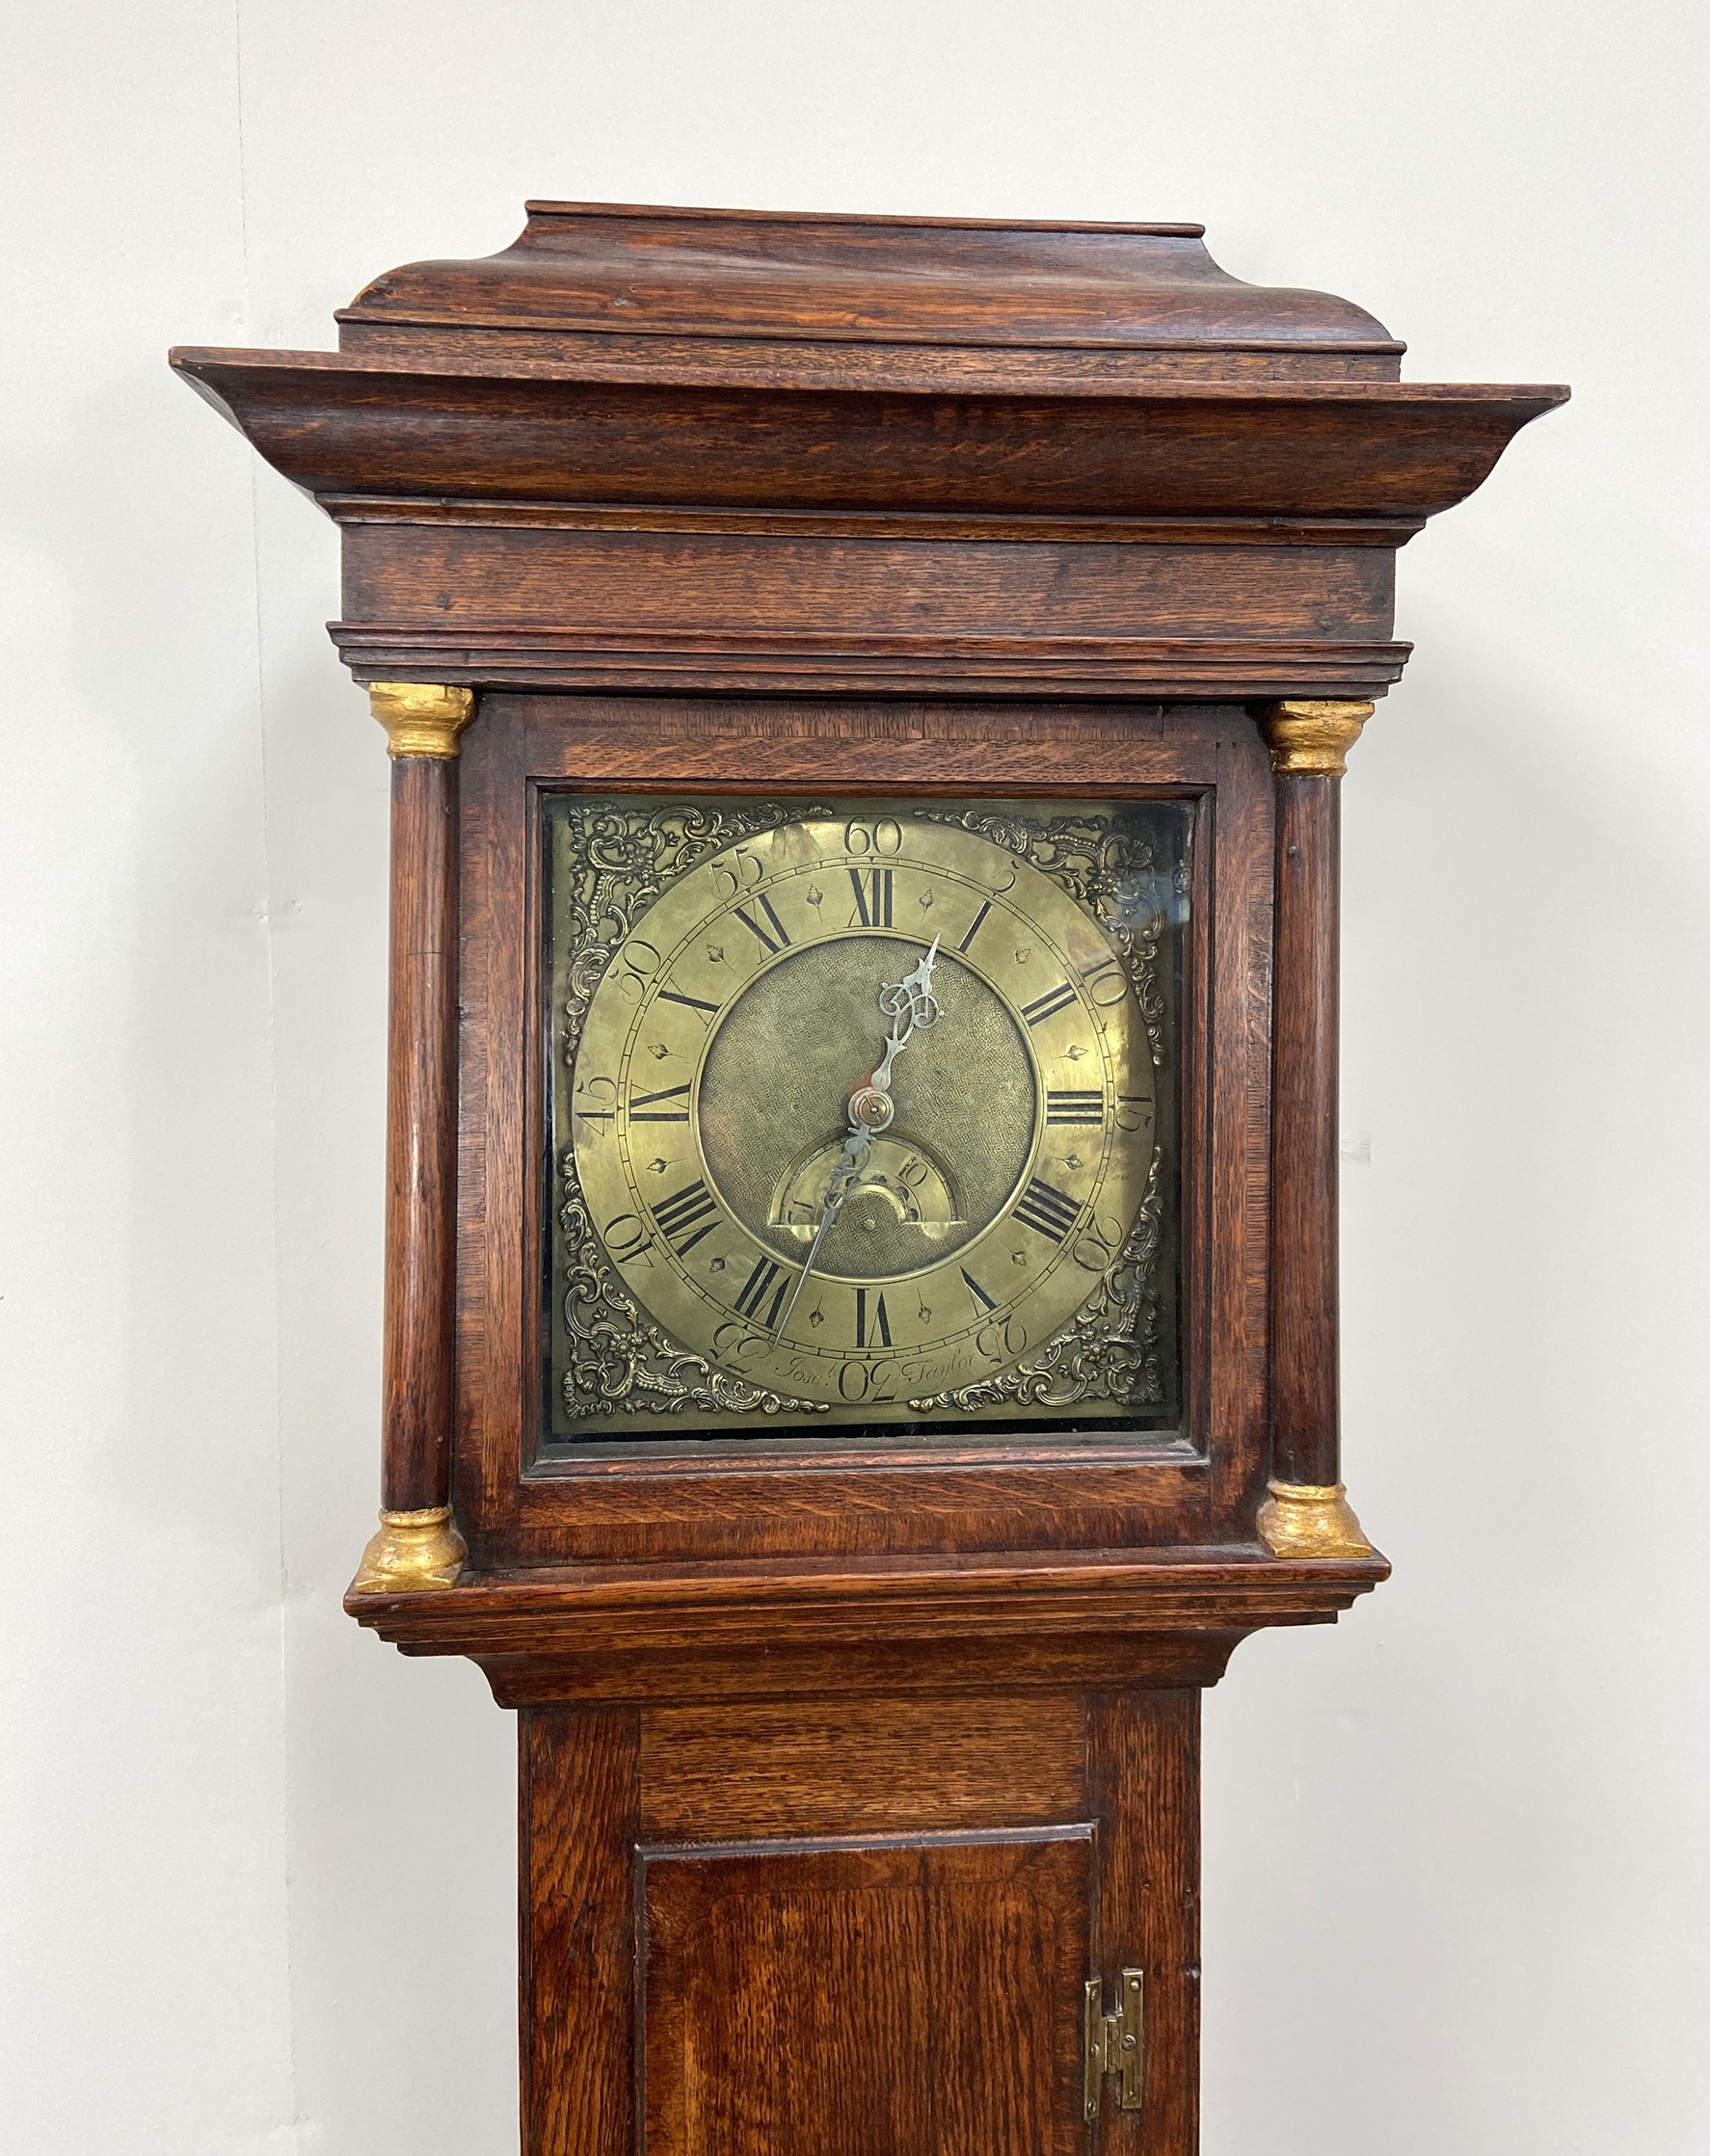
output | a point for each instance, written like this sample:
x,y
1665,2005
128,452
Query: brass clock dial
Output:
x,y
863,1109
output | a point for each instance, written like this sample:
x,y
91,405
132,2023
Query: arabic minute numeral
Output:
x,y
640,962
1001,1340
1133,1112
1097,1247
741,869
626,1236
1047,1210
733,1341
603,1090
1106,983
881,838
867,1381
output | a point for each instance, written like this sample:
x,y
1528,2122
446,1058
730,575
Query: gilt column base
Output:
x,y
412,1551
1311,1520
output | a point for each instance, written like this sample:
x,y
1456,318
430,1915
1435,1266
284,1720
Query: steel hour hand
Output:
x,y
911,1007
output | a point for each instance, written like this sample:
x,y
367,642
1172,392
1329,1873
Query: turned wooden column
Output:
x,y
417,1545
1306,1513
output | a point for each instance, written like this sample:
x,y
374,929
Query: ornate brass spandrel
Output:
x,y
410,1553
422,718
1306,1520
1112,1341
1310,740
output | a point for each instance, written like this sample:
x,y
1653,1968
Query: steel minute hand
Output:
x,y
910,1005
842,1182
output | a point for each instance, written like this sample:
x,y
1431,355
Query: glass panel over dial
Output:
x,y
862,1117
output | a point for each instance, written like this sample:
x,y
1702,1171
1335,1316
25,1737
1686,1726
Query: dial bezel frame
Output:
x,y
783,1501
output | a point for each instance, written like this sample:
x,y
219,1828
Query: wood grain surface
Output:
x,y
761,661
885,1986
1304,1294
343,425
860,1766
421,1137
1143,1789
781,1629
716,428
578,1789
917,1998
484,579
952,291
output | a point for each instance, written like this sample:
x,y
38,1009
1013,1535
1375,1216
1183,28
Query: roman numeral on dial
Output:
x,y
754,927
973,926
877,1325
1047,1210
688,1002
1074,1108
644,1108
974,1288
1054,999
759,1282
873,896
678,1217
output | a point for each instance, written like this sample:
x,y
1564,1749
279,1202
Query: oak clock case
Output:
x,y
862,1116
869,701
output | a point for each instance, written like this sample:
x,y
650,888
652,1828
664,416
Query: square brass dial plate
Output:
x,y
862,1116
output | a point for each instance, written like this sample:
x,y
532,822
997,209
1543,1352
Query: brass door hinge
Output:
x,y
1116,2042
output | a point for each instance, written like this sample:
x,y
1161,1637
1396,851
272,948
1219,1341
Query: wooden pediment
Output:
x,y
652,448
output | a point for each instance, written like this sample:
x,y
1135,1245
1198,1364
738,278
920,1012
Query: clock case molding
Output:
x,y
700,501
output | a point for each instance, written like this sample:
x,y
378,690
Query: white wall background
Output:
x,y
257,1889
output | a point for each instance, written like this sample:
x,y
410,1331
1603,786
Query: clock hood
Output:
x,y
782,449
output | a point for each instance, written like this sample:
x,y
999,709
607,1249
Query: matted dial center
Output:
x,y
775,1107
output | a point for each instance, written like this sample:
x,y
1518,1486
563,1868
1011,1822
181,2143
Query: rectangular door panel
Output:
x,y
908,1997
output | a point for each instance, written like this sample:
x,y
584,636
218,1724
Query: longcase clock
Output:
x,y
867,702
